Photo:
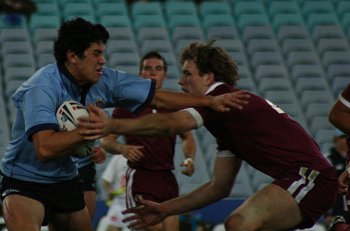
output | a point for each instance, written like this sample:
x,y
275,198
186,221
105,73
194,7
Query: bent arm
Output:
x,y
340,117
225,171
52,144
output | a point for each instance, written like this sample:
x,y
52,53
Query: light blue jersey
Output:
x,y
36,102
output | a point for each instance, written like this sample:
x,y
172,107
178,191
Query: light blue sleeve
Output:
x,y
132,92
39,106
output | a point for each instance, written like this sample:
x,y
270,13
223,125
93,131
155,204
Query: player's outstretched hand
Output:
x,y
343,182
148,213
225,102
96,125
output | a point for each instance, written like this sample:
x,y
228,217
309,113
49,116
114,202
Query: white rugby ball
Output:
x,y
67,116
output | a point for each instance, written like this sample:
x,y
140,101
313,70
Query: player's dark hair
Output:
x,y
77,35
210,59
153,54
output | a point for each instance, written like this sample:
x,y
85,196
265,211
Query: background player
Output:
x,y
151,159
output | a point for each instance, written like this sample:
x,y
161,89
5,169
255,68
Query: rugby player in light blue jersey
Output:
x,y
40,180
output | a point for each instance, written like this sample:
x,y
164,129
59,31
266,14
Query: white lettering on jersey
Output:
x,y
275,107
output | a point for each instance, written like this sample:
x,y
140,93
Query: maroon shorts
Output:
x,y
157,185
315,192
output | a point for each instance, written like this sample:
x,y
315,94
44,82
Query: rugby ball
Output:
x,y
67,116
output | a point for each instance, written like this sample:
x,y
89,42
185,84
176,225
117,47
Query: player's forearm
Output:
x,y
176,101
111,147
197,199
149,125
52,144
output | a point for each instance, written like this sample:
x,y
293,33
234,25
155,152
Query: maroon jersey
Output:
x,y
263,135
345,99
158,152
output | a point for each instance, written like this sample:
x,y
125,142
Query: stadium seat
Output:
x,y
245,20
327,31
310,83
145,8
332,44
338,70
222,32
149,33
14,34
183,20
121,33
257,44
42,47
156,45
287,19
115,21
78,9
246,7
148,21
44,59
206,8
111,8
215,20
258,32
239,57
43,21
115,46
315,19
16,47
315,96
187,33
173,72
271,83
247,84
47,8
44,34
301,57
342,7
266,58
18,73
306,70
278,7
319,123
270,71
309,7
292,31
244,71
281,96
229,45
296,44
179,8
335,57
182,43
123,58
170,58
18,60
317,109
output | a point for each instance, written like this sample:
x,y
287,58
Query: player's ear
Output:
x,y
210,78
71,57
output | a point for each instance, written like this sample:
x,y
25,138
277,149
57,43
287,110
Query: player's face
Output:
x,y
88,69
153,68
191,81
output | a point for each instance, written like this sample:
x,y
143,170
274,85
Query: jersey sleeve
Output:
x,y
39,110
133,93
